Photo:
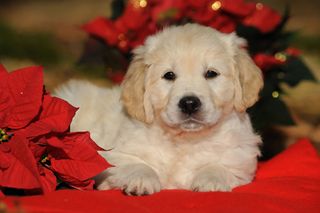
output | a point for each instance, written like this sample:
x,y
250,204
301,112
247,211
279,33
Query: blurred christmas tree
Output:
x,y
132,21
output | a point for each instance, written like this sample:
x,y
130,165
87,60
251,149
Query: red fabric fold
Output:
x,y
290,182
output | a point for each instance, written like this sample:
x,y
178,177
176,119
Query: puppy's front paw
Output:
x,y
136,179
212,180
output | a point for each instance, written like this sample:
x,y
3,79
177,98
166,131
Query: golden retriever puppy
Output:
x,y
179,119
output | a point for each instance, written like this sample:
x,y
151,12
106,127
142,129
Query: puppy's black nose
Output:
x,y
189,104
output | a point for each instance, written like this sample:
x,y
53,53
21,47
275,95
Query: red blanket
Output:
x,y
290,182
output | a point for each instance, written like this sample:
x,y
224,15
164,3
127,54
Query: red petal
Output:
x,y
3,70
141,35
78,159
265,61
223,23
203,15
293,51
4,97
22,172
103,28
25,90
55,116
4,158
116,77
237,7
72,170
228,27
48,180
133,18
38,148
83,185
77,184
55,142
83,138
198,4
5,102
265,19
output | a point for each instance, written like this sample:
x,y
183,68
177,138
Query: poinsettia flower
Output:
x,y
263,18
125,32
51,114
167,10
21,96
265,61
31,116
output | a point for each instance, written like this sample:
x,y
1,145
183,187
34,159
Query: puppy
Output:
x,y
178,121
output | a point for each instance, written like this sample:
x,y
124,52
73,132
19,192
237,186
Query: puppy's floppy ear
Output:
x,y
248,80
133,89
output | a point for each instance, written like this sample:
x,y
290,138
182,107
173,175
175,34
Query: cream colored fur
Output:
x,y
152,145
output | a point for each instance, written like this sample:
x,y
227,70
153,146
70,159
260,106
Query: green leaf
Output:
x,y
268,112
296,71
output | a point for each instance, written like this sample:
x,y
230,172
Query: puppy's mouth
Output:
x,y
191,125
186,123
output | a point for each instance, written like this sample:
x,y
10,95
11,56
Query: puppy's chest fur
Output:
x,y
174,161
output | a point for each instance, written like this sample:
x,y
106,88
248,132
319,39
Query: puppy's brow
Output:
x,y
164,66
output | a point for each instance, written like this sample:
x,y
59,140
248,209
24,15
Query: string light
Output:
x,y
143,3
259,6
139,3
275,94
121,36
122,40
123,43
216,5
281,57
45,160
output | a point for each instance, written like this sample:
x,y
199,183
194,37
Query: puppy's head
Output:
x,y
188,77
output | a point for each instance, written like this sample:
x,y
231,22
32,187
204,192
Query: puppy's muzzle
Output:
x,y
189,105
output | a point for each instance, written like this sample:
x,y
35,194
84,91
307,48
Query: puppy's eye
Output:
x,y
170,76
211,74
